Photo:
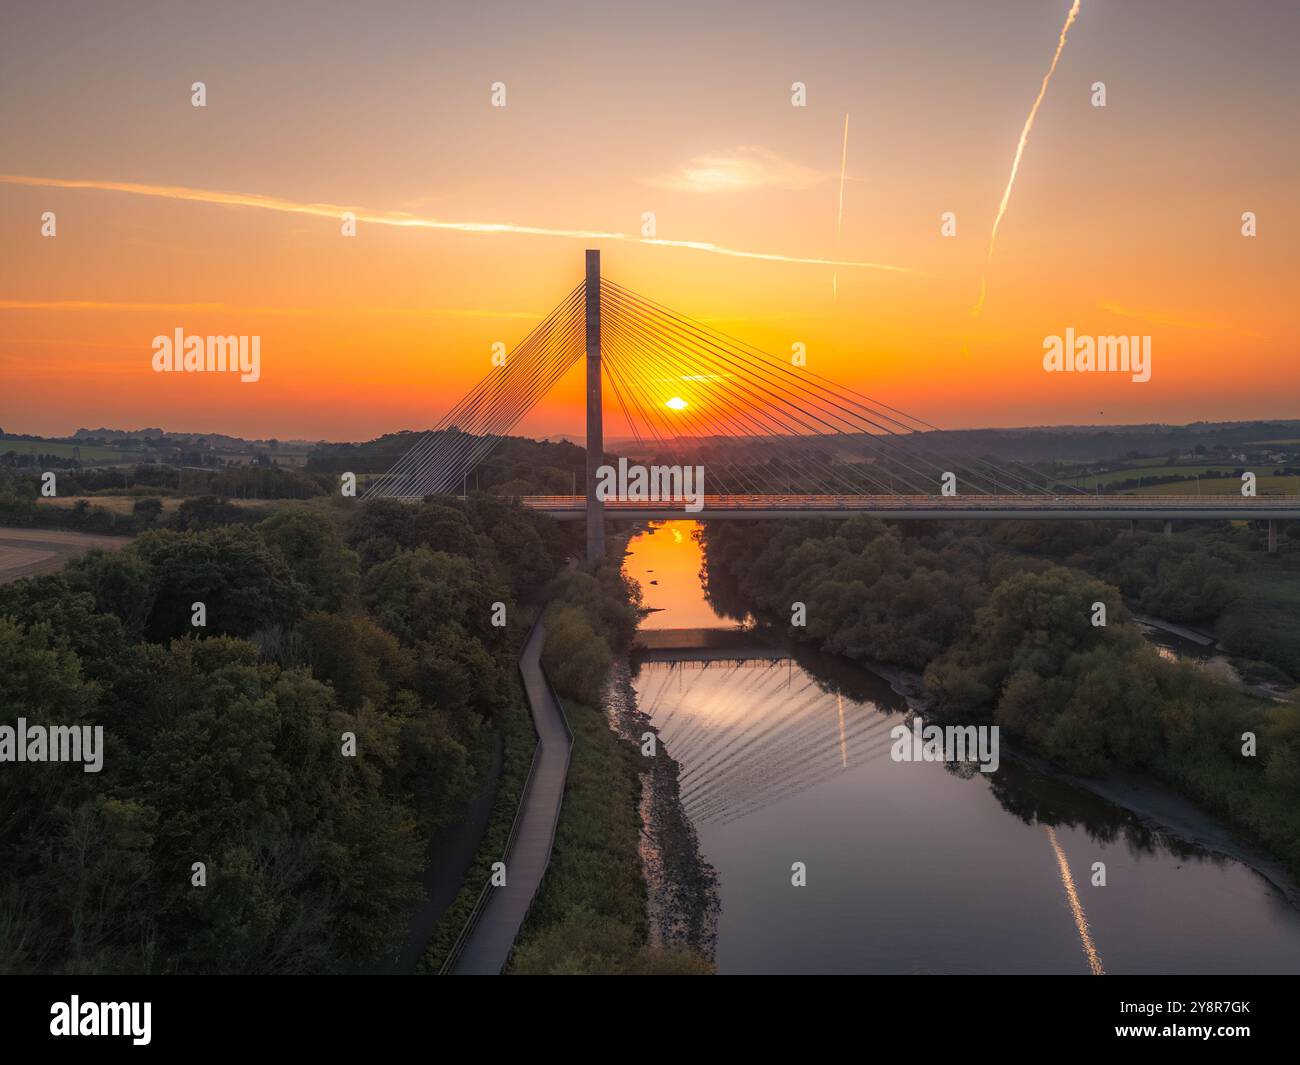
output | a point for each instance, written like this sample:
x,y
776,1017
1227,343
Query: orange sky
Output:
x,y
1122,219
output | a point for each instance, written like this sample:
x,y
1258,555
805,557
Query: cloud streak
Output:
x,y
839,218
1160,318
1020,148
740,170
312,312
409,221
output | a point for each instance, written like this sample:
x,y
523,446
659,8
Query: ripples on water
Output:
x,y
750,732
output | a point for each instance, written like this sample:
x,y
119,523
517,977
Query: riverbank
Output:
x,y
1159,809
1201,646
1166,812
590,917
1186,632
681,887
592,913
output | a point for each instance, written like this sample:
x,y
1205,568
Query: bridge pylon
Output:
x,y
595,430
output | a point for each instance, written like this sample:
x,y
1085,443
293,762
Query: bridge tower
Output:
x,y
595,431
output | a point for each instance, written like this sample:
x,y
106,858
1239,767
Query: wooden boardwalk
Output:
x,y
492,937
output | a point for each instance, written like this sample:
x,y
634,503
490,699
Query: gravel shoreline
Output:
x,y
682,901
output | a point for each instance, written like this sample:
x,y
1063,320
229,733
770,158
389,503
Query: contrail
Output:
x,y
1020,148
403,220
1182,323
839,221
311,312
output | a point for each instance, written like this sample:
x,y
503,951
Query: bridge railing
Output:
x,y
912,502
480,904
555,825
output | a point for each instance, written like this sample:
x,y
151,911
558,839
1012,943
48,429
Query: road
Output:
x,y
989,507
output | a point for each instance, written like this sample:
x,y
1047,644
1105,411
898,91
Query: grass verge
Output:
x,y
517,755
590,916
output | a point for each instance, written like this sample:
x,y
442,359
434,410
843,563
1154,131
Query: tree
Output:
x,y
355,656
121,583
415,592
316,555
147,510
242,583
576,657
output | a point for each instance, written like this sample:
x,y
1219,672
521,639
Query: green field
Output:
x,y
64,450
120,504
1149,472
1220,486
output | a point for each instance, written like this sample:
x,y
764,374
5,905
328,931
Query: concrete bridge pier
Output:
x,y
1169,528
1272,536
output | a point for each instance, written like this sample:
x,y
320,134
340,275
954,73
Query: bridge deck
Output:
x,y
989,507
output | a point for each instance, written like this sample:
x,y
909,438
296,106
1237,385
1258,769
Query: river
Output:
x,y
910,867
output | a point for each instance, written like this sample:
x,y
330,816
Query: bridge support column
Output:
x,y
1169,528
1272,536
595,430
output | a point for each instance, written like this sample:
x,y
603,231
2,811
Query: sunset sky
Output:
x,y
1122,219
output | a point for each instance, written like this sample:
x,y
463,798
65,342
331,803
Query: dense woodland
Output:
x,y
224,743
1000,623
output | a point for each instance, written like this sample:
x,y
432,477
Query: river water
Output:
x,y
910,867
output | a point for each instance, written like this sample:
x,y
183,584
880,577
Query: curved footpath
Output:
x,y
488,947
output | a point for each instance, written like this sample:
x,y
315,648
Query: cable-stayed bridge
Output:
x,y
773,438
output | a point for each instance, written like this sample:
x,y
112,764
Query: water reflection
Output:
x,y
736,761
784,756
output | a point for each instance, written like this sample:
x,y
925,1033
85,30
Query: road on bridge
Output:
x,y
988,507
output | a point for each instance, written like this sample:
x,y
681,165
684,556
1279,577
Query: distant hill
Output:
x,y
216,440
562,454
1094,443
515,465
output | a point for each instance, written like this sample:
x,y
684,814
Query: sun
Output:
x,y
676,403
